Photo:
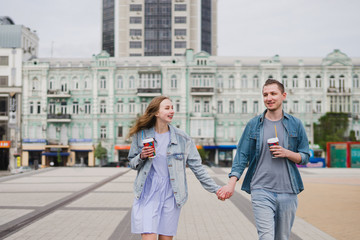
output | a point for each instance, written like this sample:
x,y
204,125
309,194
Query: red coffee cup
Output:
x,y
149,142
272,142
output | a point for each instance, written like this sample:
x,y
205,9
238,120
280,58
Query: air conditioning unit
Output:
x,y
12,117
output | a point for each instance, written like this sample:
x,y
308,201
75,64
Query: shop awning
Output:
x,y
122,147
54,154
81,150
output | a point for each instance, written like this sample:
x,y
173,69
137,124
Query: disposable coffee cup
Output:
x,y
272,142
149,142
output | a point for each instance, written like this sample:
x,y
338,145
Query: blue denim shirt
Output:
x,y
181,152
249,149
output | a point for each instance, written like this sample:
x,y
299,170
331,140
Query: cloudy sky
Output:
x,y
245,27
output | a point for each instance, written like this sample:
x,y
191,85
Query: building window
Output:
x,y
295,82
4,81
256,107
256,81
135,44
244,82
318,81
356,81
31,107
307,82
135,20
135,7
63,108
180,19
51,84
86,83
87,106
103,132
180,7
51,108
284,81
38,107
180,32
219,107
135,32
332,82
356,107
131,107
120,106
180,44
318,107
177,106
150,80
144,105
120,131
197,106
102,106
75,107
102,82
220,82
231,107
173,81
120,82
342,83
4,60
35,84
206,106
131,82
296,106
308,107
244,107
231,82
285,106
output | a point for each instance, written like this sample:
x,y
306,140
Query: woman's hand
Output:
x,y
146,152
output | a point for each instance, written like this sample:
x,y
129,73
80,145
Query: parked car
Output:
x,y
21,169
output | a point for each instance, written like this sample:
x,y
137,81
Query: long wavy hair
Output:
x,y
148,119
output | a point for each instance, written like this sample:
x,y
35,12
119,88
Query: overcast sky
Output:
x,y
298,28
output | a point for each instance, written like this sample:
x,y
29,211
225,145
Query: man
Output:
x,y
272,178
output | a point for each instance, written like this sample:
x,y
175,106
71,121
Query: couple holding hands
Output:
x,y
272,178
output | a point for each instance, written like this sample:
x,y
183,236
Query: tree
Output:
x,y
100,152
203,154
331,128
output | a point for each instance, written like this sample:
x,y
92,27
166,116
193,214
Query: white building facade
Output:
x,y
70,105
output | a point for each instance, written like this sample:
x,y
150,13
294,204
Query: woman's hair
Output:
x,y
148,119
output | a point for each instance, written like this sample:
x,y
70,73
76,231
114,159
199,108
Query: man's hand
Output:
x,y
225,192
280,152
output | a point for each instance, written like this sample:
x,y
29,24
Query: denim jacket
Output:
x,y
249,149
181,152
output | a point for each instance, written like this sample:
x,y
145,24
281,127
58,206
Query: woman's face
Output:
x,y
166,111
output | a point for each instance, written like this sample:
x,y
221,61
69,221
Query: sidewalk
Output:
x,y
95,203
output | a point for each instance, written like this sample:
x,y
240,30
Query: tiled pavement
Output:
x,y
95,203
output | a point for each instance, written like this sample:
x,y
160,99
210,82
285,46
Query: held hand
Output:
x,y
278,151
225,192
146,152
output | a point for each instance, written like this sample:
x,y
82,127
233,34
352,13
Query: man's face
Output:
x,y
273,97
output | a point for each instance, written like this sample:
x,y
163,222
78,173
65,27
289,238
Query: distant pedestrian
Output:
x,y
160,186
272,177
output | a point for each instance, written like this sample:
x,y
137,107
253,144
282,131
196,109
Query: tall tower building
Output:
x,y
159,27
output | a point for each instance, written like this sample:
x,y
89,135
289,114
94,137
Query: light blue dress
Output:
x,y
156,211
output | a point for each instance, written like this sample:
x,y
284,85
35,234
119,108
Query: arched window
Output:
x,y
307,82
231,81
244,81
173,81
51,84
318,81
256,82
64,87
120,82
342,83
295,81
75,81
332,81
131,82
86,83
356,81
102,82
284,81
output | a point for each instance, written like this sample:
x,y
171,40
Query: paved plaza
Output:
x,y
95,203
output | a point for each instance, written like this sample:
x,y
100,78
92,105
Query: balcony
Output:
x,y
58,94
59,118
148,92
202,91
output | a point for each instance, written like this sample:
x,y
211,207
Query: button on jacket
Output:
x,y
249,149
181,152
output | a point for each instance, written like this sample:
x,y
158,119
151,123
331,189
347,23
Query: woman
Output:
x,y
160,186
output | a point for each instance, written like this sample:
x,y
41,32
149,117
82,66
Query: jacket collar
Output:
x,y
151,133
262,116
